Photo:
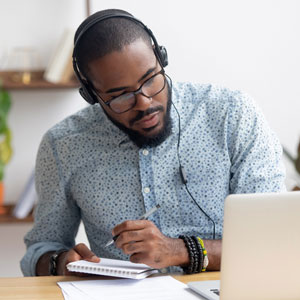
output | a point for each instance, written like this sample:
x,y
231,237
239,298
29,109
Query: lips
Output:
x,y
148,121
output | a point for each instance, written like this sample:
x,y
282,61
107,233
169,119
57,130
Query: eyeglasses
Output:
x,y
150,88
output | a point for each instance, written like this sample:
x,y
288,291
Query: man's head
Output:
x,y
122,71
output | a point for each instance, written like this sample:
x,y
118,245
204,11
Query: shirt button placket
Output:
x,y
146,177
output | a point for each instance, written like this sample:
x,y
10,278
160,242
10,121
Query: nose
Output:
x,y
142,102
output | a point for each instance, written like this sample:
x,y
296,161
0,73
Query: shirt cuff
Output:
x,y
34,252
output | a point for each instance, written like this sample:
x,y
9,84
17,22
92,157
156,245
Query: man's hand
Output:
x,y
144,242
80,251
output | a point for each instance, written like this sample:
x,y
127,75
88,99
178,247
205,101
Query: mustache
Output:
x,y
142,114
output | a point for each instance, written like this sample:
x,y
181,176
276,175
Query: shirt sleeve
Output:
x,y
57,216
256,154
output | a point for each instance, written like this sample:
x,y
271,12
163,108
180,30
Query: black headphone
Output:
x,y
86,90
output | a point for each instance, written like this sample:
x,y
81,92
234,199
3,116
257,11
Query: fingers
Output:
x,y
80,251
129,237
85,253
131,225
132,248
134,231
145,243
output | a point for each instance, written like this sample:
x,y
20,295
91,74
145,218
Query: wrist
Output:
x,y
213,248
56,264
197,254
179,254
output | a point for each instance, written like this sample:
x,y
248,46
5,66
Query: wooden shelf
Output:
x,y
8,218
10,82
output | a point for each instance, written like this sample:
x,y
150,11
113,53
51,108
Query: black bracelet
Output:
x,y
188,269
53,261
191,246
195,254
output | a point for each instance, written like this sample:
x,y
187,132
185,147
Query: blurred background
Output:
x,y
249,45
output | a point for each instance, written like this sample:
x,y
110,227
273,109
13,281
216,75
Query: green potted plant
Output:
x,y
5,140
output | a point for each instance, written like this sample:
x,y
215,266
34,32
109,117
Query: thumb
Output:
x,y
94,258
86,253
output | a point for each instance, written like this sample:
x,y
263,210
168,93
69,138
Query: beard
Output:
x,y
141,140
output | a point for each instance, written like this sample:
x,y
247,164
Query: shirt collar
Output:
x,y
116,135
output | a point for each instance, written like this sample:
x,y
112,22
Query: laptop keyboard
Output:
x,y
216,291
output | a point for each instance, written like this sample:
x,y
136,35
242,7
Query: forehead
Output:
x,y
122,68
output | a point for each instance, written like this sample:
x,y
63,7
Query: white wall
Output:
x,y
252,45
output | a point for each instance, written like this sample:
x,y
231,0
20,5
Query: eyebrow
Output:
x,y
121,88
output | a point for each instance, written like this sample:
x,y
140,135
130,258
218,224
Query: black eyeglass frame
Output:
x,y
136,92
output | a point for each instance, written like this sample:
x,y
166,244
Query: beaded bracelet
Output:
x,y
195,252
205,258
188,269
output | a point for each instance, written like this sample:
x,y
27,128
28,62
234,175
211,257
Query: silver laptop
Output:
x,y
260,250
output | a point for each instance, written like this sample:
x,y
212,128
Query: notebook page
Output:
x,y
70,292
160,287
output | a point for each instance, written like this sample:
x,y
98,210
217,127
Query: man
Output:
x,y
109,163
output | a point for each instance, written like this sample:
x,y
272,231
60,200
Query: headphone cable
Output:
x,y
182,170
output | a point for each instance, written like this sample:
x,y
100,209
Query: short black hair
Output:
x,y
106,36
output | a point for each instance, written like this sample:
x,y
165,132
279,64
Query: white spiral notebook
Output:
x,y
112,267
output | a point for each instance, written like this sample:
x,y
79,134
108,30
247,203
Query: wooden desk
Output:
x,y
45,287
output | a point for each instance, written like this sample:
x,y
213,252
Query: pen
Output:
x,y
143,217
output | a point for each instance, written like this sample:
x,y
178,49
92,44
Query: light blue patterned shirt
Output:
x,y
87,169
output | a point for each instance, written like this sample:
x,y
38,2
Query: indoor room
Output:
x,y
248,46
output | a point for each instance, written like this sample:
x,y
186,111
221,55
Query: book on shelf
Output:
x,y
112,267
27,199
59,68
68,73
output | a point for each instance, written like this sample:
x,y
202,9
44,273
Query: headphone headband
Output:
x,y
98,19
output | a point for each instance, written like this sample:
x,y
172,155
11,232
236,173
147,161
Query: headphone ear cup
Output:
x,y
87,95
163,54
84,90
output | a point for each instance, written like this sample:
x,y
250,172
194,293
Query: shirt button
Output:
x,y
145,152
146,190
